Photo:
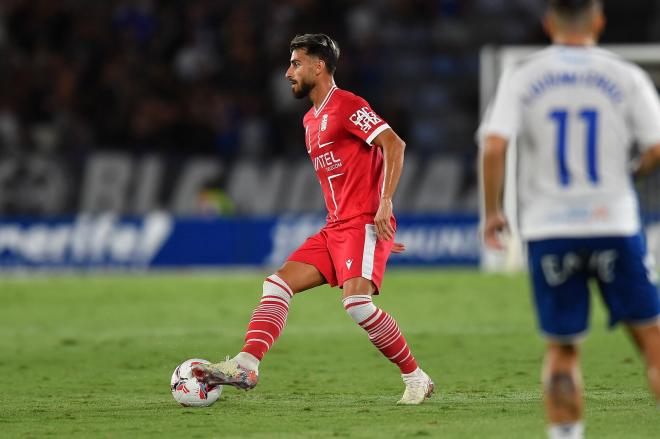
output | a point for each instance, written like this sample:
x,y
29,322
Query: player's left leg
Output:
x,y
647,339
629,288
386,336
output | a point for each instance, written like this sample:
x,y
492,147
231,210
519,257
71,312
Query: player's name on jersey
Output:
x,y
552,80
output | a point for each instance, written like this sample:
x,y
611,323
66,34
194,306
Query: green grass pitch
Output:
x,y
92,356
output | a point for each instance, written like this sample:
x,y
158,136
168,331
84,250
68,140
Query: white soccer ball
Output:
x,y
189,392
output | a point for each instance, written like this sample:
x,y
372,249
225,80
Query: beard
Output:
x,y
303,91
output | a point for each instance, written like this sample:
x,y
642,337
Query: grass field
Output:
x,y
92,356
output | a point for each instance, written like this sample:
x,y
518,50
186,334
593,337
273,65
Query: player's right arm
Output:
x,y
493,162
500,124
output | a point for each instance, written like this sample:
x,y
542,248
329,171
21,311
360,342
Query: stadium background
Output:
x,y
162,133
137,134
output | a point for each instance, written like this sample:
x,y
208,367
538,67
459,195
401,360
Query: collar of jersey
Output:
x,y
325,101
574,46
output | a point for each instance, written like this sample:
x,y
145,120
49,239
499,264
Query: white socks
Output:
x,y
247,360
566,431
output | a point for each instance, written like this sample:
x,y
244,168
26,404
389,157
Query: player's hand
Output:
x,y
384,229
494,227
398,247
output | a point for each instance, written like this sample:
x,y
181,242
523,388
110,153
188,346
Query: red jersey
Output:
x,y
338,136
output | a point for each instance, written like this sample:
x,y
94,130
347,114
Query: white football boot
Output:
x,y
419,386
228,372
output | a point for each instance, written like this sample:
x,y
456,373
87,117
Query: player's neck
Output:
x,y
320,92
574,39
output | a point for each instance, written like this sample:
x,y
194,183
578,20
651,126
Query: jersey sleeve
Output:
x,y
645,108
359,119
503,114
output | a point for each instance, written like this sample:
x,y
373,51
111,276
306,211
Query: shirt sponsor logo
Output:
x,y
580,214
365,119
327,161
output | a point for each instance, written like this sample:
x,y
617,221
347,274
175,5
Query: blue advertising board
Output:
x,y
159,240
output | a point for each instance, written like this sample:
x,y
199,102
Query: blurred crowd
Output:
x,y
207,76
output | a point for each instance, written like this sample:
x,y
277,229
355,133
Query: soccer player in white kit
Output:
x,y
575,112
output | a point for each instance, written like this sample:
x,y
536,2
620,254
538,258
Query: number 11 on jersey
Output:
x,y
590,118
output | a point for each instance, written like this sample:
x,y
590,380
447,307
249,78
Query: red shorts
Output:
x,y
347,250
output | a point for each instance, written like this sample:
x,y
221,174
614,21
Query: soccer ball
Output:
x,y
189,392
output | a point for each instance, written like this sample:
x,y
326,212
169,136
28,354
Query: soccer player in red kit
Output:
x,y
358,160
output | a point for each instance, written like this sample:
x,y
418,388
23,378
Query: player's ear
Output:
x,y
549,25
320,66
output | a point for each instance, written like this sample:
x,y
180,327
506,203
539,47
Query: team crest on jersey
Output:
x,y
365,119
324,122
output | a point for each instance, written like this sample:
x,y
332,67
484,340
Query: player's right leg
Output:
x,y
269,318
298,274
562,388
265,327
561,297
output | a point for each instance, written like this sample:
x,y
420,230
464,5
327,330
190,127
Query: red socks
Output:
x,y
383,331
269,318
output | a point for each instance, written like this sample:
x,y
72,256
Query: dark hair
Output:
x,y
319,45
572,8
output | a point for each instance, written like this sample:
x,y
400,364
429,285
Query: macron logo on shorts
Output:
x,y
349,262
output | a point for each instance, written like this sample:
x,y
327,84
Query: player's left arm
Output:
x,y
645,118
649,161
393,148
